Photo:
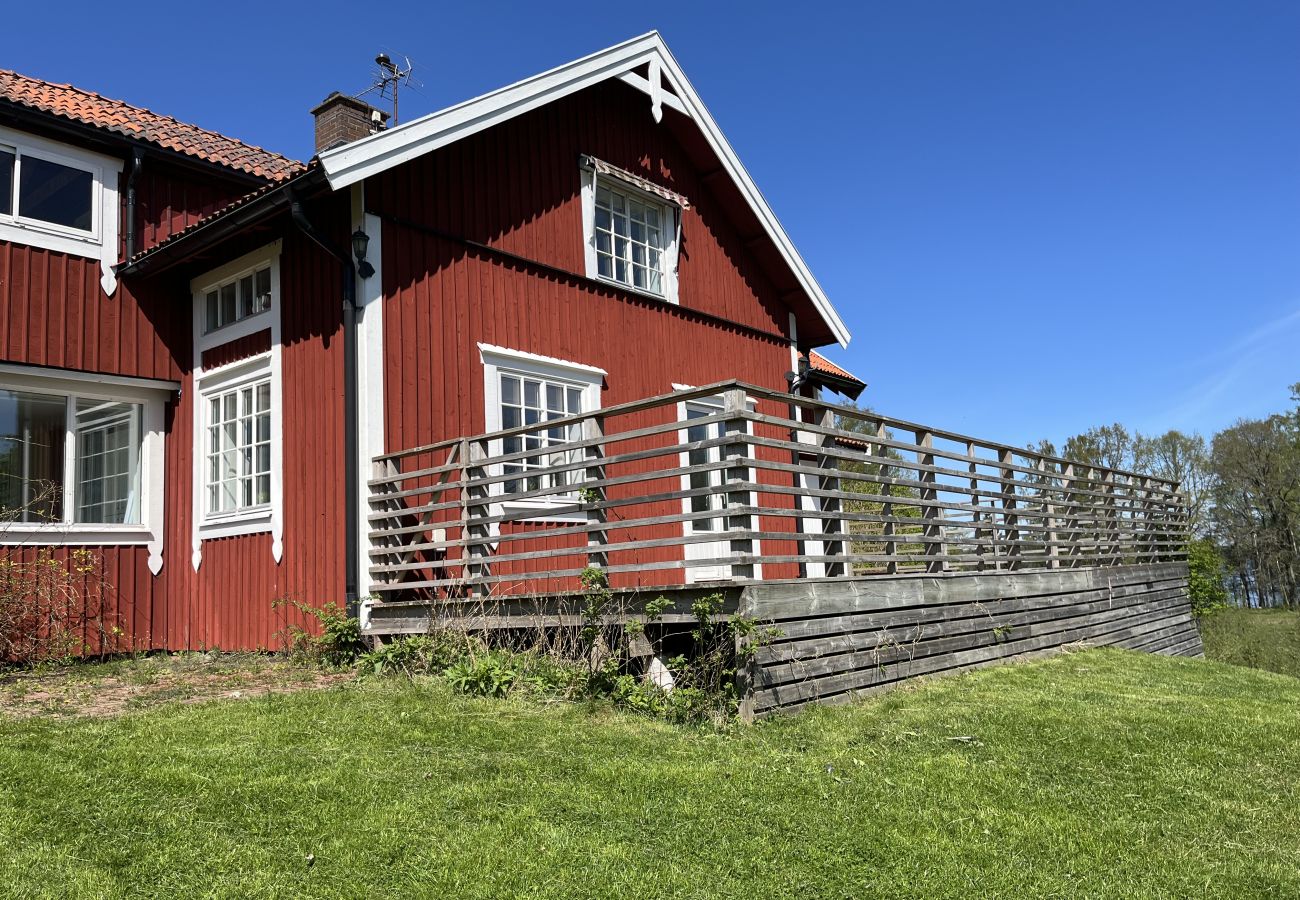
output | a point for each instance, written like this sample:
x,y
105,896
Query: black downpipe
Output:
x,y
351,453
137,164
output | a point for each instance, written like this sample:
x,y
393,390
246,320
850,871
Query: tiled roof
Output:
x,y
141,124
822,364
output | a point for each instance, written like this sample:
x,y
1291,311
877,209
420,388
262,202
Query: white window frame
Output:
x,y
152,396
708,549
266,518
499,360
670,215
100,242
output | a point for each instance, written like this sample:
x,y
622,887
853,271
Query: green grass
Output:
x,y
1094,774
1259,638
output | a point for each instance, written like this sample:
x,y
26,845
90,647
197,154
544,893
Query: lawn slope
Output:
x,y
1103,773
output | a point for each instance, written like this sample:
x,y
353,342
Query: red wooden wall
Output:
x,y
517,187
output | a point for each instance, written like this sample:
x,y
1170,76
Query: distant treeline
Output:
x,y
1242,489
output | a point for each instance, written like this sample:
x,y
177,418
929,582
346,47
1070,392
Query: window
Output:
x,y
81,458
631,229
530,400
629,239
39,483
60,198
524,389
238,436
238,298
239,448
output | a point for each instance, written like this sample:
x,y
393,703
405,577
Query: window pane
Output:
x,y
55,193
213,318
509,389
33,429
228,307
6,181
108,477
247,302
263,290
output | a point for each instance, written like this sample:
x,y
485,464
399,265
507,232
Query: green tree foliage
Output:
x,y
1256,496
1207,576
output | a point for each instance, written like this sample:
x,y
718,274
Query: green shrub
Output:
x,y
337,646
1206,572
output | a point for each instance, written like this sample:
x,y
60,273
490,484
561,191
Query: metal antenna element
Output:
x,y
389,78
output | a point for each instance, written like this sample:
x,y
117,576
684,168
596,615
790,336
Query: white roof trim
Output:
x,y
371,155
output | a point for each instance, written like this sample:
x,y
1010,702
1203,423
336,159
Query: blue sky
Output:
x,y
1034,216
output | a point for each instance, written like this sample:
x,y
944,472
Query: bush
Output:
x,y
52,610
1206,575
337,646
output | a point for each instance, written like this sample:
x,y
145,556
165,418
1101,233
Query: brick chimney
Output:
x,y
341,119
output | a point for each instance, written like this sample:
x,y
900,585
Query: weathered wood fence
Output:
x,y
736,483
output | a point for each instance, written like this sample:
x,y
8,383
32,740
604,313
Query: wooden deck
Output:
x,y
845,528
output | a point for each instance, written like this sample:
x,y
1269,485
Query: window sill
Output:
x,y
53,238
17,534
230,526
632,289
542,512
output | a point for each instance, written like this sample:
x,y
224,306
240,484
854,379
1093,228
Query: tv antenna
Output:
x,y
388,78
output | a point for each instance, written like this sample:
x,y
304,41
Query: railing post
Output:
x,y
1049,513
886,508
379,552
1112,523
1010,522
593,429
735,452
977,515
831,523
474,507
931,515
1071,514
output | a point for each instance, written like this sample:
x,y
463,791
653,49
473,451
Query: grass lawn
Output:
x,y
1102,773
1259,638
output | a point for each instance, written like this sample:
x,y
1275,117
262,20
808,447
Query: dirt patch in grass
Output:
x,y
111,688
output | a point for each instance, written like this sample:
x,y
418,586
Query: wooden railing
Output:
x,y
732,482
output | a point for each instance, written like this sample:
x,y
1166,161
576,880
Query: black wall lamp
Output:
x,y
360,241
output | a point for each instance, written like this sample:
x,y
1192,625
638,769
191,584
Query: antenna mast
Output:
x,y
390,76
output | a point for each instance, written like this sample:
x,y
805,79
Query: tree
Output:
x,y
1183,459
1256,496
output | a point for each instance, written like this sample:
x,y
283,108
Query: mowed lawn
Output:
x,y
1101,773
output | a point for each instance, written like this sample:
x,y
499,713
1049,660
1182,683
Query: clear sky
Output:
x,y
1034,216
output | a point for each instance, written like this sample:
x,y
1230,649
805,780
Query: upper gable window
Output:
x,y
629,238
239,297
59,197
632,228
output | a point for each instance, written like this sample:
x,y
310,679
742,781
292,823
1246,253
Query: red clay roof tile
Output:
x,y
821,363
141,124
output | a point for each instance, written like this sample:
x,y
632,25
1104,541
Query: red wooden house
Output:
x,y
206,346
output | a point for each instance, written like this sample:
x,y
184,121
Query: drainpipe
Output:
x,y
137,165
351,462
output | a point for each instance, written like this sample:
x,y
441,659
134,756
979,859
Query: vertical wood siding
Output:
x,y
516,187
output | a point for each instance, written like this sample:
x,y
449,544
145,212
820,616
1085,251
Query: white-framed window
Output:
x,y
59,197
523,389
704,507
81,458
240,296
630,234
238,414
238,446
